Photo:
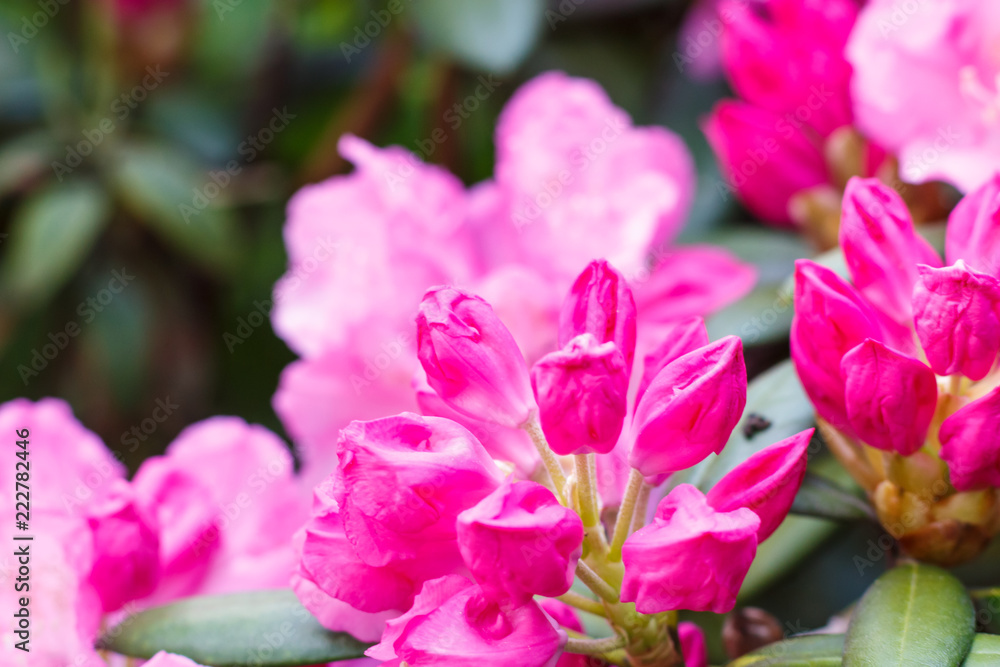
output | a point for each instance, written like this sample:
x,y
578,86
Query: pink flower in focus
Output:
x,y
925,87
519,542
600,303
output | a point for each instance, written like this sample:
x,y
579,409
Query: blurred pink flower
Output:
x,y
925,87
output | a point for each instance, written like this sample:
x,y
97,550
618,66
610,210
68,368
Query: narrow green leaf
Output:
x,y
822,498
914,614
262,628
494,35
51,234
804,651
985,652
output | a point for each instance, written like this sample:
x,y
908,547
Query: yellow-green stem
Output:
x,y
594,646
586,481
594,582
625,513
549,458
582,603
641,507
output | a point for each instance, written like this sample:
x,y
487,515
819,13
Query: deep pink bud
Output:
x,y
682,337
452,624
970,443
690,557
519,542
957,315
881,247
974,229
831,318
765,483
600,303
582,395
470,358
403,480
764,159
126,548
890,397
690,409
694,650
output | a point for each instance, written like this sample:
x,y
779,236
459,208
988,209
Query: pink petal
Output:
x,y
693,646
690,409
970,444
600,303
881,247
974,229
765,483
891,397
679,339
957,317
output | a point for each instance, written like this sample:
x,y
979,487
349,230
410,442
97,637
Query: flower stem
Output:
x,y
586,479
549,458
594,646
625,513
603,589
641,507
582,603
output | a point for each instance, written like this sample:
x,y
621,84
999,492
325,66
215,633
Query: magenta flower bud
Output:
x,y
126,548
831,318
890,397
470,358
690,409
519,542
881,246
403,480
452,623
694,650
582,395
691,557
765,483
970,443
957,317
973,232
600,303
679,339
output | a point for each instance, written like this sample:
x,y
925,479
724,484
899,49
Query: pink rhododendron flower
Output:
x,y
970,443
693,646
690,557
574,180
925,87
600,303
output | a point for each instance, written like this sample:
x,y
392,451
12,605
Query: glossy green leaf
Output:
x,y
822,498
263,628
804,651
494,35
985,652
914,614
175,197
51,234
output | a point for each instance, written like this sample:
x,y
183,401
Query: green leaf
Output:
x,y
987,603
51,234
914,614
494,35
796,538
262,628
804,651
822,498
172,195
985,652
25,158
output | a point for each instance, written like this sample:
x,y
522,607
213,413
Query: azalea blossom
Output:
x,y
903,359
424,542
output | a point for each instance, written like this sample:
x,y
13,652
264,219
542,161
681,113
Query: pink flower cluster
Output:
x,y
574,180
215,514
421,540
905,358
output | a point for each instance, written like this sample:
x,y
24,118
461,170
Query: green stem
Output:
x,y
625,513
594,646
582,603
594,582
552,464
586,483
641,507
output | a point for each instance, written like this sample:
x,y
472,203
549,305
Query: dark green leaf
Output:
x,y
264,628
174,197
822,498
985,652
495,35
914,614
805,651
51,234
